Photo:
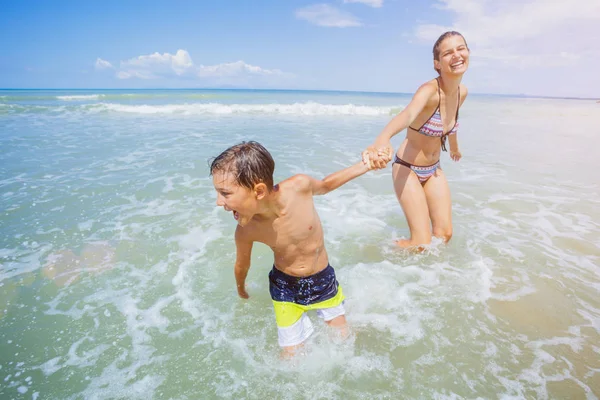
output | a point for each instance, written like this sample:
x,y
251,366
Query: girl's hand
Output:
x,y
455,155
380,153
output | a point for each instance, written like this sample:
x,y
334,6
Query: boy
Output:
x,y
283,217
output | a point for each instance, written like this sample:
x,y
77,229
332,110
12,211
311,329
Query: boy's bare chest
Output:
x,y
295,227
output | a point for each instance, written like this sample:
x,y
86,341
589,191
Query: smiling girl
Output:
x,y
431,120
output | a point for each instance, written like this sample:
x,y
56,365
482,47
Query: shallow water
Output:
x,y
116,265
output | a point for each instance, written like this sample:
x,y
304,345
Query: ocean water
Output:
x,y
116,265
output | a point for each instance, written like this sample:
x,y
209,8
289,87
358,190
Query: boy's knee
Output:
x,y
337,322
288,352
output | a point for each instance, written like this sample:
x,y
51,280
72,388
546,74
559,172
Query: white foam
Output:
x,y
51,366
115,382
385,297
194,246
308,108
26,261
86,226
79,97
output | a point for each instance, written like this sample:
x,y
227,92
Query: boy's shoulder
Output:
x,y
296,183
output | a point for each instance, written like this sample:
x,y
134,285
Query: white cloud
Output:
x,y
180,66
235,69
154,65
102,64
372,3
136,74
522,34
326,15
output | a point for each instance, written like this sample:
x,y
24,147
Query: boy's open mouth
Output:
x,y
236,215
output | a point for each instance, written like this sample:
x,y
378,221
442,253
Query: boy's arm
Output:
x,y
242,261
335,180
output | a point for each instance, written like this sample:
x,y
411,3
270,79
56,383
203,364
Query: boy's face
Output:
x,y
233,197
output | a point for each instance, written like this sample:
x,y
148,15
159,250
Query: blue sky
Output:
x,y
536,47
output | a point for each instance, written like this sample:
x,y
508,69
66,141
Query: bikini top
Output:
x,y
434,125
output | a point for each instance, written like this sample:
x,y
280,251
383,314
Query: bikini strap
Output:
x,y
457,106
439,94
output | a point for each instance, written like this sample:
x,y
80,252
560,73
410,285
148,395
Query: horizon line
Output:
x,y
521,95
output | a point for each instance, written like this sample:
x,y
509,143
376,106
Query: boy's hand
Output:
x,y
366,159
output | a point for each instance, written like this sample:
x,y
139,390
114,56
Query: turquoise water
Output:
x,y
116,265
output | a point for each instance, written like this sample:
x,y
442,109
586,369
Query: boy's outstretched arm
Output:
x,y
242,261
337,179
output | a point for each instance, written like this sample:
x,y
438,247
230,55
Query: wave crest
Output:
x,y
79,97
308,108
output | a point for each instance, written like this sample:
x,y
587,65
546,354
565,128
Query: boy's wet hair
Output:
x,y
249,162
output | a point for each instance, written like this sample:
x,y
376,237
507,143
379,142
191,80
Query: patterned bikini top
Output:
x,y
434,125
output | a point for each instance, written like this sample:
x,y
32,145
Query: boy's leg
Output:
x,y
290,351
332,310
341,326
338,322
291,336
293,325
335,317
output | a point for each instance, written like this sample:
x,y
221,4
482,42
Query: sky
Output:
x,y
522,47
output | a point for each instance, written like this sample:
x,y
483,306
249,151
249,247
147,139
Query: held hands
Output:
x,y
378,155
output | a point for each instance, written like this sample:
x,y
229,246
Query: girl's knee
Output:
x,y
443,233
